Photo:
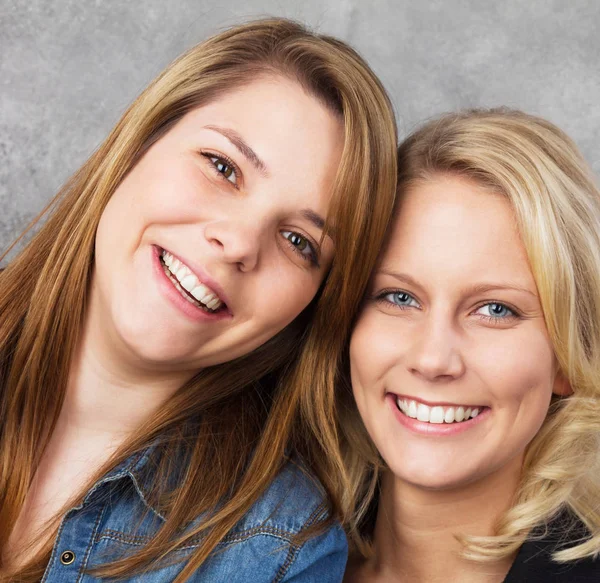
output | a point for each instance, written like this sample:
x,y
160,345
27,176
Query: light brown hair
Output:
x,y
232,458
556,202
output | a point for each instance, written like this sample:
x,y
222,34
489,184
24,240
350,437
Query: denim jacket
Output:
x,y
115,519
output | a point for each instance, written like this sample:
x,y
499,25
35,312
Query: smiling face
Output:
x,y
211,244
452,367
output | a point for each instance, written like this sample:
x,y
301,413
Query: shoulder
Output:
x,y
534,561
287,536
294,501
534,564
268,543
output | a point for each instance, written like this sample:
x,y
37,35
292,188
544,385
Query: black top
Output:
x,y
534,563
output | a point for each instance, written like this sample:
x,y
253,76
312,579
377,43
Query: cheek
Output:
x,y
360,371
374,350
519,371
114,234
283,293
161,191
123,217
359,349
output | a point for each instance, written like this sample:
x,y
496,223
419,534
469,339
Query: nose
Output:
x,y
237,242
435,353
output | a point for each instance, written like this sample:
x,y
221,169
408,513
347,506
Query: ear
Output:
x,y
562,386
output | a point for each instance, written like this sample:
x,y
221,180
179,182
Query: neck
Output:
x,y
415,526
111,392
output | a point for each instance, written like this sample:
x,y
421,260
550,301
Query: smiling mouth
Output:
x,y
189,286
436,414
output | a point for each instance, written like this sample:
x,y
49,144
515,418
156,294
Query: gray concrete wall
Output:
x,y
69,68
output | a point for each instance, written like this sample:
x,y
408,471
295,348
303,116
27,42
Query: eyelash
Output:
x,y
381,297
514,313
210,156
313,257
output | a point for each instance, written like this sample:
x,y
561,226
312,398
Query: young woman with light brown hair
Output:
x,y
161,384
474,440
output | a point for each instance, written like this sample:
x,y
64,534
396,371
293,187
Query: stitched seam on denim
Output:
x,y
139,540
97,485
90,544
120,474
143,497
295,549
123,537
132,540
250,532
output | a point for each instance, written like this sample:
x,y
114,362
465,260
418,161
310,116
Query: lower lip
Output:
x,y
172,294
436,429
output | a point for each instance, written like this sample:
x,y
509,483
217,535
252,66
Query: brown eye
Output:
x,y
224,168
297,241
301,245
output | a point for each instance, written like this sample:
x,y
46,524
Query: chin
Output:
x,y
437,482
442,483
153,342
436,477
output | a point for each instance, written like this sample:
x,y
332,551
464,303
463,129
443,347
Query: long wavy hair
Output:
x,y
282,386
557,207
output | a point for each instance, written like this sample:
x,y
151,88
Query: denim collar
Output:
x,y
135,467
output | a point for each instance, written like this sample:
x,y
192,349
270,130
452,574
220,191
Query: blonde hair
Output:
x,y
557,206
232,458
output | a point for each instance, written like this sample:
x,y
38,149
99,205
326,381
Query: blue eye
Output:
x,y
400,299
496,310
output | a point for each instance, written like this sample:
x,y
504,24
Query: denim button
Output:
x,y
67,557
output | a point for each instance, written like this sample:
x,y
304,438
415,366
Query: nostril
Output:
x,y
217,243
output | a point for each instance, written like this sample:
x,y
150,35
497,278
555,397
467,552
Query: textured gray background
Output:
x,y
69,68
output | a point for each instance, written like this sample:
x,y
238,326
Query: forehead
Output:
x,y
450,228
283,124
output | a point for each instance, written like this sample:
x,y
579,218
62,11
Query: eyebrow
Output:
x,y
476,289
486,287
316,219
242,146
402,277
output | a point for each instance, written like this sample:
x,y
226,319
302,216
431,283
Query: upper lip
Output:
x,y
432,404
202,276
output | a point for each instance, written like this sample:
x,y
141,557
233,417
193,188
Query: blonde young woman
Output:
x,y
475,363
154,345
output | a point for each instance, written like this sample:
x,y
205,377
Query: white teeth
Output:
x,y
214,303
184,279
181,273
423,412
437,414
200,292
412,410
189,282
